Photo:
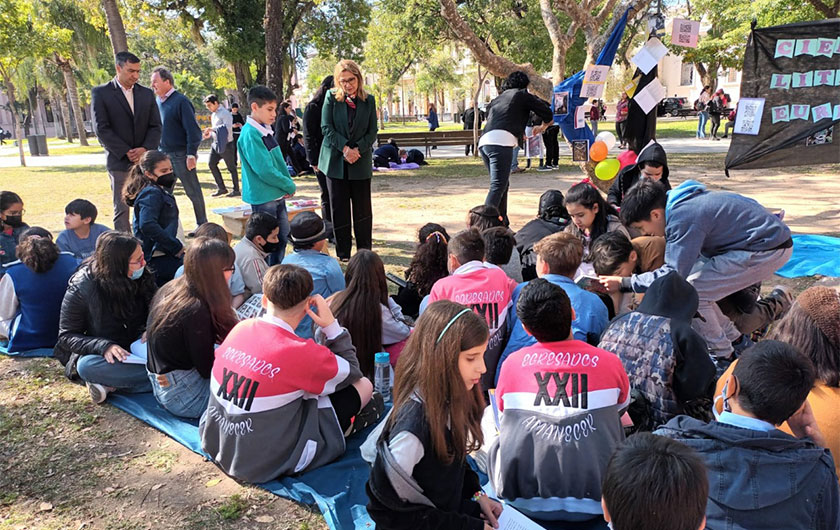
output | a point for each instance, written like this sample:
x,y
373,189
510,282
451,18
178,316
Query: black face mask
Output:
x,y
14,220
270,247
167,180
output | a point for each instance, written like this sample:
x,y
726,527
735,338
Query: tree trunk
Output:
x,y
275,45
10,93
63,117
708,75
73,95
239,73
824,9
497,65
116,29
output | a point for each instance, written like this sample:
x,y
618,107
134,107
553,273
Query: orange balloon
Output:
x,y
598,151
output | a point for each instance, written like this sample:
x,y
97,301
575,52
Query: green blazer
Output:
x,y
337,134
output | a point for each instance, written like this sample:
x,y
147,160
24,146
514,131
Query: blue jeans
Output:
x,y
186,394
125,377
703,117
189,179
497,160
277,208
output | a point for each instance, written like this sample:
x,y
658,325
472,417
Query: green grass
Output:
x,y
233,508
58,147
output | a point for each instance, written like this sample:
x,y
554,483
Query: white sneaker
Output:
x,y
98,393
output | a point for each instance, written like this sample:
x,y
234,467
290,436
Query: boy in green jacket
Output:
x,y
265,177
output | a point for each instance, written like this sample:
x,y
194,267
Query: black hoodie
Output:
x,y
673,298
631,174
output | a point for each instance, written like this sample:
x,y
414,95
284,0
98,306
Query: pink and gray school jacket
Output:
x,y
488,291
269,413
560,406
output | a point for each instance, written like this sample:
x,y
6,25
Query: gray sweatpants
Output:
x,y
717,277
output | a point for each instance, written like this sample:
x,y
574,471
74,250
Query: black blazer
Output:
x,y
118,129
313,137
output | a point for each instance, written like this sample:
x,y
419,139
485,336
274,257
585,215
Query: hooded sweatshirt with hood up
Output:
x,y
761,480
666,360
706,223
630,175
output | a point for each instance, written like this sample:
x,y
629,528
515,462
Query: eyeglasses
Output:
x,y
138,263
351,81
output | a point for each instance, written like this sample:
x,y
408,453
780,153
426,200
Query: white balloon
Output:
x,y
607,137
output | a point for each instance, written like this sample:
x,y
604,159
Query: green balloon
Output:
x,y
607,169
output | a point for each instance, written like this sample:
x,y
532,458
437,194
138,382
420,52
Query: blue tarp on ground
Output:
x,y
813,255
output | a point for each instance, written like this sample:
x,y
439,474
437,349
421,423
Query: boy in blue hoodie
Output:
x,y
761,477
720,242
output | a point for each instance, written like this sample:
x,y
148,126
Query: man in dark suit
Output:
x,y
127,122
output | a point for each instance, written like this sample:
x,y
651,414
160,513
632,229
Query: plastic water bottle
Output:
x,y
382,374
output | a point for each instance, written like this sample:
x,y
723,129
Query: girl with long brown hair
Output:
x,y
149,190
373,319
420,479
187,318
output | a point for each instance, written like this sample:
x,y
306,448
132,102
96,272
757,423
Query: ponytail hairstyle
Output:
x,y
358,306
137,179
483,217
429,366
203,283
429,262
588,196
109,268
36,250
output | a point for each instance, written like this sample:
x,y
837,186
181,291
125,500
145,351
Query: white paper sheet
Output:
x,y
748,118
650,54
513,520
650,96
580,117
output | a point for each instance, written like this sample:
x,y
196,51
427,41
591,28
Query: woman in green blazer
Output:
x,y
348,121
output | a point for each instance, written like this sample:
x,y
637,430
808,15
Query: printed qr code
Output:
x,y
683,38
747,124
596,76
749,111
685,28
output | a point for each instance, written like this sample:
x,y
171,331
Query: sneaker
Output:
x,y
234,193
370,413
219,192
544,168
98,393
783,293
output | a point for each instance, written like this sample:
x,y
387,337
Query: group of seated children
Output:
x,y
565,380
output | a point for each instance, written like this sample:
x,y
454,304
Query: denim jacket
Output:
x,y
327,279
8,244
156,221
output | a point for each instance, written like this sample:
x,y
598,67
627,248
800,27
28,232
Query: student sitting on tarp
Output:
x,y
32,290
188,316
427,266
552,217
279,404
103,312
651,163
559,401
668,364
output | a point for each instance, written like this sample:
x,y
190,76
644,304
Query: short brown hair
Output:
x,y
562,251
287,285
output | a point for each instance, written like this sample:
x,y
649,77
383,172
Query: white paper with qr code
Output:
x,y
513,520
748,119
685,32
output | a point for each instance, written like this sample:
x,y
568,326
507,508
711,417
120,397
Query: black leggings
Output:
x,y
346,403
715,119
552,146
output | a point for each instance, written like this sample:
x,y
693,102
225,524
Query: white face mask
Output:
x,y
610,525
722,398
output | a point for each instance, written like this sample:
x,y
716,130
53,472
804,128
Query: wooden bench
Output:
x,y
234,218
428,139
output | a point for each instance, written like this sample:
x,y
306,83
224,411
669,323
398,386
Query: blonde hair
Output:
x,y
346,65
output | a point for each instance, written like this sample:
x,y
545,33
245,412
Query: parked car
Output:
x,y
674,107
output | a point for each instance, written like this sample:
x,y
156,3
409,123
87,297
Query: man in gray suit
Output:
x,y
127,122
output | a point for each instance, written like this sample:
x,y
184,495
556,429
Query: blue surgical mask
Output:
x,y
136,275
